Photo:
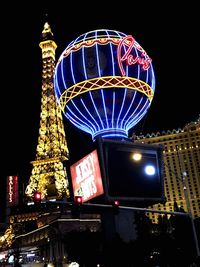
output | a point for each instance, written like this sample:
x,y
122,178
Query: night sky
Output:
x,y
167,32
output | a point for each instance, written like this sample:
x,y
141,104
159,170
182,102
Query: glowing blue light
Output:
x,y
91,90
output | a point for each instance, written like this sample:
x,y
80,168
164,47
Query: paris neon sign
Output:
x,y
142,60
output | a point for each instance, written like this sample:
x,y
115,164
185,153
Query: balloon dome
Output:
x,y
104,82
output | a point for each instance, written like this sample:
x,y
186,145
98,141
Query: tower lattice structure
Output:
x,y
48,170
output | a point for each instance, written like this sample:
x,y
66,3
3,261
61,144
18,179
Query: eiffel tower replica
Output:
x,y
45,227
48,175
48,172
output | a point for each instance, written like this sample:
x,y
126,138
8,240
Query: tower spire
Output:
x,y
47,33
48,172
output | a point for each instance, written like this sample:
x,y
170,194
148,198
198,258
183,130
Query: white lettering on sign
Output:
x,y
85,168
88,187
85,176
10,189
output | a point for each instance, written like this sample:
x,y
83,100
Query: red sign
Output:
x,y
86,177
12,190
142,60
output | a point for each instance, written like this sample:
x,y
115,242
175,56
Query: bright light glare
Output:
x,y
137,156
150,170
11,259
2,256
30,255
74,264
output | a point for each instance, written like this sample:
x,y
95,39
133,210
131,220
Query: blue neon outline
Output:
x,y
99,72
122,106
56,87
62,70
91,124
89,113
71,67
132,101
113,72
77,124
113,113
141,112
120,120
83,59
112,57
96,109
74,116
131,117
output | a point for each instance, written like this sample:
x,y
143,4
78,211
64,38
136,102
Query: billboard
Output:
x,y
86,177
132,172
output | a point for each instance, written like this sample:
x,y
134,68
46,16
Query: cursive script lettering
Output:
x,y
142,60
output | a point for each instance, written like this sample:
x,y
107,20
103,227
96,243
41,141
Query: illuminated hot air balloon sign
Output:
x,y
104,82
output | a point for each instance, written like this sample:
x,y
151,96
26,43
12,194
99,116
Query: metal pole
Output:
x,y
137,209
184,175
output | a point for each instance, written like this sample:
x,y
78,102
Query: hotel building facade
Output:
x,y
181,156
